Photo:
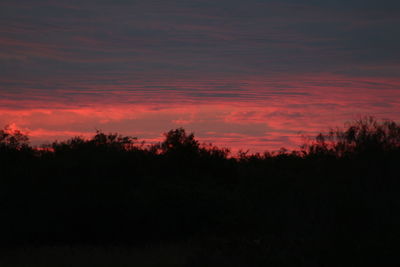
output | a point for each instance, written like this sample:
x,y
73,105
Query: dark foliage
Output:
x,y
336,202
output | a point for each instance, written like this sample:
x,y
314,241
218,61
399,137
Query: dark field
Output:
x,y
110,201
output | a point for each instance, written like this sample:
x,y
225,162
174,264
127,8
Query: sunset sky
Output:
x,y
254,74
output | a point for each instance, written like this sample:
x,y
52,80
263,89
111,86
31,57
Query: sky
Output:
x,y
254,74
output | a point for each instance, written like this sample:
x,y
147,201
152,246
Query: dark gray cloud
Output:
x,y
54,45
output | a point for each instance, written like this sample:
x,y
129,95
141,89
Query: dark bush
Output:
x,y
337,198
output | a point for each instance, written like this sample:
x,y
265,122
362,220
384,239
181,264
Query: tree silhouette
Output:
x,y
178,141
13,139
339,196
99,142
178,146
361,137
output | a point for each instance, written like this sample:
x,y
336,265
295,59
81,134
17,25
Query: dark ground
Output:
x,y
111,202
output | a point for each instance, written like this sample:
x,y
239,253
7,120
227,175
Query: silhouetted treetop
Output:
x,y
363,136
13,139
179,141
100,141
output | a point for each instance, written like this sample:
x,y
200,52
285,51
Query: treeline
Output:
x,y
336,197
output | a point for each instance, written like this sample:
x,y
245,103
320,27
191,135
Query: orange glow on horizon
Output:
x,y
262,118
